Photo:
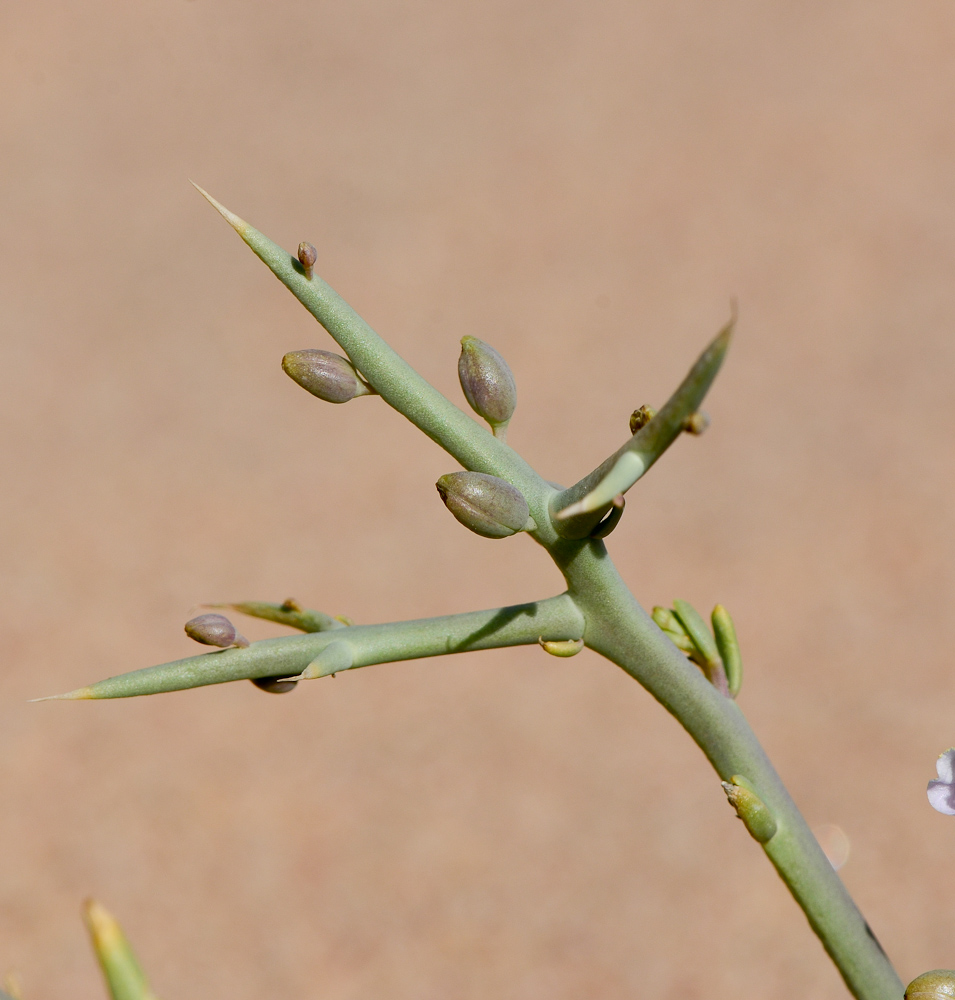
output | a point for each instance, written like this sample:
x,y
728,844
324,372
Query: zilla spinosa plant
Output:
x,y
693,669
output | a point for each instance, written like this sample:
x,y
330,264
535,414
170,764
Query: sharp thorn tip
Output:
x,y
239,225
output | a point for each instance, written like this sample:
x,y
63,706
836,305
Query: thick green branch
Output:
x,y
620,629
520,624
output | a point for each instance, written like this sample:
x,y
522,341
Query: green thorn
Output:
x,y
287,613
122,971
335,656
80,694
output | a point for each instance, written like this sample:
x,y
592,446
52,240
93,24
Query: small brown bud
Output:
x,y
324,374
487,505
696,423
214,630
307,255
640,418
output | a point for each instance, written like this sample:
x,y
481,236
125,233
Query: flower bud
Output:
x,y
328,376
696,423
724,631
673,629
640,418
750,808
487,505
487,383
307,255
939,984
214,630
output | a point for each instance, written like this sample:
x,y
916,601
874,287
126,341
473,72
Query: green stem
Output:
x,y
619,629
520,624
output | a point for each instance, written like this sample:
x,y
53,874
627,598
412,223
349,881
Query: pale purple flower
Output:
x,y
941,793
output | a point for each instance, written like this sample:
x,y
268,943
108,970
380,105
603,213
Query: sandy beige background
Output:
x,y
585,186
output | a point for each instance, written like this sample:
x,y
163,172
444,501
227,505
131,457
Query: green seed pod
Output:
x,y
939,984
274,685
328,376
487,505
214,630
725,633
750,808
487,383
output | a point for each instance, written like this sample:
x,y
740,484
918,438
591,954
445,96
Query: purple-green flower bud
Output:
x,y
214,630
328,376
487,505
487,383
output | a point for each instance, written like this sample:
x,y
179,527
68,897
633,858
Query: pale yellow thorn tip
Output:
x,y
104,929
239,225
80,694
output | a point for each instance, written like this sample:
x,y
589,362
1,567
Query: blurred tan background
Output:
x,y
585,186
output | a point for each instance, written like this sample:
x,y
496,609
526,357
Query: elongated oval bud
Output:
x,y
487,505
307,255
939,984
328,376
487,383
750,808
724,631
214,630
673,629
707,653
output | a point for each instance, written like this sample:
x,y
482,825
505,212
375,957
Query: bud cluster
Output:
x,y
716,653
